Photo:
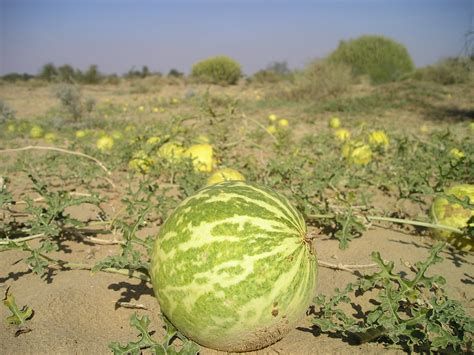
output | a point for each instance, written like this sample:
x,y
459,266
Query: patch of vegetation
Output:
x,y
414,314
147,342
447,72
273,73
321,79
380,58
299,157
15,77
72,102
219,70
6,112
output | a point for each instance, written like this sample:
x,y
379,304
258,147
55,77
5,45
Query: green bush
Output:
x,y
217,70
319,80
48,72
382,59
447,72
15,77
72,102
92,75
6,112
66,74
175,73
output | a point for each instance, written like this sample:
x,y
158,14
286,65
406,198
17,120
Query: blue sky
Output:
x,y
165,34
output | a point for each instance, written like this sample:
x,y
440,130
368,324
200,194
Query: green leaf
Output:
x,y
145,341
189,348
36,261
414,314
19,316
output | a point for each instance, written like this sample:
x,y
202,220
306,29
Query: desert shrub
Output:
x,y
382,59
112,79
143,73
72,102
91,75
320,79
48,72
15,77
217,70
6,112
175,73
66,74
273,73
447,72
150,84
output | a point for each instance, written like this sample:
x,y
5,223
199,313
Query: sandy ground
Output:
x,y
76,311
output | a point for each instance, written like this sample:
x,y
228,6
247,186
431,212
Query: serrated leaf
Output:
x,y
145,341
412,313
326,325
19,316
189,348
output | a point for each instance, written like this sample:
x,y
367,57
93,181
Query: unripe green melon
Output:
x,y
454,215
232,267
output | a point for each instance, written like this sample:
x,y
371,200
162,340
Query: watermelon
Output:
x,y
454,215
232,267
225,174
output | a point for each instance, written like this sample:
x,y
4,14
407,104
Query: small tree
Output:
x,y
175,73
92,75
145,72
48,72
66,74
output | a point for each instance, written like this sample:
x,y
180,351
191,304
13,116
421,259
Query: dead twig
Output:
x,y
131,305
349,268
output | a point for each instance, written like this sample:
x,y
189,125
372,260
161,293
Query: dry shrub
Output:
x,y
319,80
447,72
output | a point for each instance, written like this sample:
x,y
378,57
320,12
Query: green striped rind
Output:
x,y
231,268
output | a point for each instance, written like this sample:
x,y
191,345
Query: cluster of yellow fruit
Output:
x,y
81,133
143,108
37,132
141,162
358,152
202,155
379,140
456,154
276,123
11,128
341,134
105,143
454,215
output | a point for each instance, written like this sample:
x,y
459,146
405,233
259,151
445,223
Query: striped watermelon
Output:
x,y
232,267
